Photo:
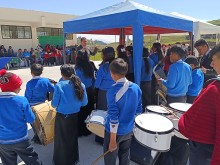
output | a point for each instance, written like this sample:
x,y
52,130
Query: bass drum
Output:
x,y
154,131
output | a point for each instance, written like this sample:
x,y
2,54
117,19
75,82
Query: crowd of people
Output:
x,y
48,56
83,88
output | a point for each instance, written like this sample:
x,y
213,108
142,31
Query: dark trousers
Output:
x,y
190,99
179,99
85,112
200,154
177,155
146,93
123,150
9,153
66,150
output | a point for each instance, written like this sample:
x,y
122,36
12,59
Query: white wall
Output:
x,y
35,19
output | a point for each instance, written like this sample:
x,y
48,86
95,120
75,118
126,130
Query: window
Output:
x,y
46,31
69,36
16,32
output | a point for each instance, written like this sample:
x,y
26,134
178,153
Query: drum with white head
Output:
x,y
95,122
153,131
157,109
179,109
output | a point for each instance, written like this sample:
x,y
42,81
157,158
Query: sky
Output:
x,y
200,9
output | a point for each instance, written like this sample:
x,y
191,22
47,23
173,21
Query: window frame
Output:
x,y
13,31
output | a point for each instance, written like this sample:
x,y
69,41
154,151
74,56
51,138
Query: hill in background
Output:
x,y
215,22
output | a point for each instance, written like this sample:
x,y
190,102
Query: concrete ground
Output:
x,y
88,148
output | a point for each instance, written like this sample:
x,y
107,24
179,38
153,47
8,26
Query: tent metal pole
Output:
x,y
64,48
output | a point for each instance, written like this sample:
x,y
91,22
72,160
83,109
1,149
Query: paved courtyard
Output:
x,y
88,148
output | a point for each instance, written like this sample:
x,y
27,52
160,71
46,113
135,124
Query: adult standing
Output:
x,y
205,59
201,123
83,47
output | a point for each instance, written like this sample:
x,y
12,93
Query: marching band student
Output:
x,y
201,123
124,102
146,77
85,71
130,73
15,113
197,79
178,80
121,53
104,81
69,96
37,89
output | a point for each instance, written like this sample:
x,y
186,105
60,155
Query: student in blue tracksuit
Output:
x,y
36,90
86,72
124,102
69,96
146,77
15,113
38,87
197,79
130,73
178,80
104,80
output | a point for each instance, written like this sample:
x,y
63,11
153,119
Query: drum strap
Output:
x,y
123,90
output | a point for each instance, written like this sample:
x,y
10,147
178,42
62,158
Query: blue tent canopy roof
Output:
x,y
135,19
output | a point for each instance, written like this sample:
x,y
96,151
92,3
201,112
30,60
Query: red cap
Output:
x,y
9,82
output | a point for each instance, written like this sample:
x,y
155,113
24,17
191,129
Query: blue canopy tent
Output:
x,y
128,18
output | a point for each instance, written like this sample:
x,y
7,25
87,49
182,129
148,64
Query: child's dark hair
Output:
x,y
68,71
178,50
119,67
145,57
192,60
36,69
108,54
215,51
157,46
83,63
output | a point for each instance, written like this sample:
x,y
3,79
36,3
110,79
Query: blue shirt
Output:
x,y
197,82
87,81
123,112
178,79
14,115
104,80
65,100
146,76
155,58
26,54
37,89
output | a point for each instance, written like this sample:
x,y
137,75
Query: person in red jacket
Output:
x,y
201,123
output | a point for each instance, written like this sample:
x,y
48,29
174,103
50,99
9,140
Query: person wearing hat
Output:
x,y
15,113
104,81
197,79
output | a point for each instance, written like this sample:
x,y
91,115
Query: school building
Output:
x,y
26,28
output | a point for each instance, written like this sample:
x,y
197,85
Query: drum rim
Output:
x,y
150,147
153,132
177,110
148,110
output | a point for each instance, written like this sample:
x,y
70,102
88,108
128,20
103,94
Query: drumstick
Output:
x,y
167,109
93,163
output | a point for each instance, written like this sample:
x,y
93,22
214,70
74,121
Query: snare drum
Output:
x,y
180,108
156,109
153,131
95,122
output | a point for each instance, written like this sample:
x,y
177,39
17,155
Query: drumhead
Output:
x,y
154,123
183,107
156,109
